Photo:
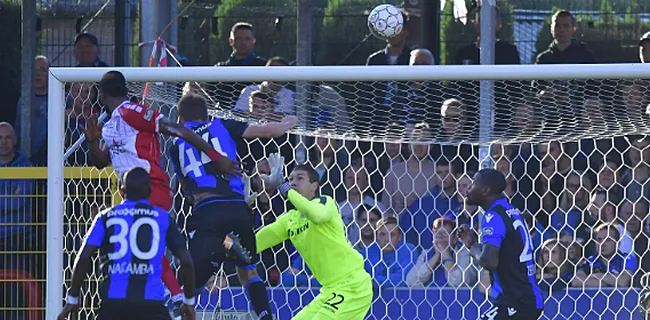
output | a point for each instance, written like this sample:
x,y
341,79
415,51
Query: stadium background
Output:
x,y
611,29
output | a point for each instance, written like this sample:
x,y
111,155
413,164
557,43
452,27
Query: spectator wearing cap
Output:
x,y
447,263
644,48
86,51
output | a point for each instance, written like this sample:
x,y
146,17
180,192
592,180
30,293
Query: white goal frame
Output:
x,y
56,115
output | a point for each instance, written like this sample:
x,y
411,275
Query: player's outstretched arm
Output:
x,y
271,129
94,239
316,212
272,234
224,164
176,243
79,271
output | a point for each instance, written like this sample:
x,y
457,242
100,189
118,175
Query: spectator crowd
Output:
x,y
586,202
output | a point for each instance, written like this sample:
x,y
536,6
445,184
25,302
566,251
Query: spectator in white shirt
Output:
x,y
283,97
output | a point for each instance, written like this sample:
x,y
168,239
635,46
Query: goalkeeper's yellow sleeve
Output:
x,y
273,234
316,212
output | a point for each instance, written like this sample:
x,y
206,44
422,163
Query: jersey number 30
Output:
x,y
193,164
131,244
527,251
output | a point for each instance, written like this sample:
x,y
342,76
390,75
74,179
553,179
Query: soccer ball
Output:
x,y
385,21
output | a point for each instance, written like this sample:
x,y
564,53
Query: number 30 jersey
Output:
x,y
132,238
193,165
513,282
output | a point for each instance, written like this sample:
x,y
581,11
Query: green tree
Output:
x,y
611,38
10,56
455,35
344,26
272,40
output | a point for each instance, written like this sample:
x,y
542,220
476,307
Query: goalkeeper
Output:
x,y
317,231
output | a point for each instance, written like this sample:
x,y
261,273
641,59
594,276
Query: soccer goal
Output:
x,y
403,141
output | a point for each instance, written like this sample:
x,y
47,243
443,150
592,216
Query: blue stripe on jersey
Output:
x,y
496,285
193,164
135,244
539,300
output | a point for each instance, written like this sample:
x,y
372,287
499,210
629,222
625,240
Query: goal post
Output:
x,y
552,127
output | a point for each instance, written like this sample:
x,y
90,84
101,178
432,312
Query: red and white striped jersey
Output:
x,y
131,136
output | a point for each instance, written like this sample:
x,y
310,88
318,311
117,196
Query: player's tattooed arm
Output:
x,y
224,164
486,255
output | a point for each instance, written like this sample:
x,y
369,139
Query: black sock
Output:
x,y
259,298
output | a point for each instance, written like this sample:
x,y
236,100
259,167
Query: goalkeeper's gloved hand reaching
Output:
x,y
249,195
276,178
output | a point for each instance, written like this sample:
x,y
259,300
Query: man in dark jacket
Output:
x,y
242,41
504,52
565,49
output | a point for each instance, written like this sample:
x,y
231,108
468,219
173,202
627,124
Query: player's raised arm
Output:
x,y
301,189
224,164
271,129
99,155
272,234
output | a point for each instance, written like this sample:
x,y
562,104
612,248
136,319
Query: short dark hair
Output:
x,y
564,14
369,209
136,184
277,59
193,107
241,26
493,179
113,84
311,172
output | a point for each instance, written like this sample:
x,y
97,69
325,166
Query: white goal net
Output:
x,y
404,142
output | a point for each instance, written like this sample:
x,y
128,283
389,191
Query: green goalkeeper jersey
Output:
x,y
317,231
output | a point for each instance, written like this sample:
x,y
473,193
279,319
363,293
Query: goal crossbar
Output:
x,y
363,73
56,115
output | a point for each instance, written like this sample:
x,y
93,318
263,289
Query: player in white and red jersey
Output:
x,y
132,139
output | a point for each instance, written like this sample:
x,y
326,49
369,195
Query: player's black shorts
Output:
x,y
505,312
212,219
123,310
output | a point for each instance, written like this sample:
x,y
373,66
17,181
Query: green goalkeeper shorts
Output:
x,y
349,299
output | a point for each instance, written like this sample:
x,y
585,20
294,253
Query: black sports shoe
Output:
x,y
176,310
234,249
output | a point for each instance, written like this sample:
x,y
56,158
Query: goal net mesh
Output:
x,y
575,154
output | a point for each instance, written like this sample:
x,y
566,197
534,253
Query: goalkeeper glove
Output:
x,y
276,163
249,195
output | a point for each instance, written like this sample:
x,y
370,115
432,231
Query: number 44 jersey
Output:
x,y
132,238
192,164
513,282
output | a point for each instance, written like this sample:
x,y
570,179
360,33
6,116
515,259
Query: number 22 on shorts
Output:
x,y
334,300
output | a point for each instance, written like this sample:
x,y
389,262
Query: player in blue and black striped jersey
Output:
x,y
505,250
219,203
132,238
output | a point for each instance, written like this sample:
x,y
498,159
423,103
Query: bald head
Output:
x,y
492,179
421,57
136,184
8,142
